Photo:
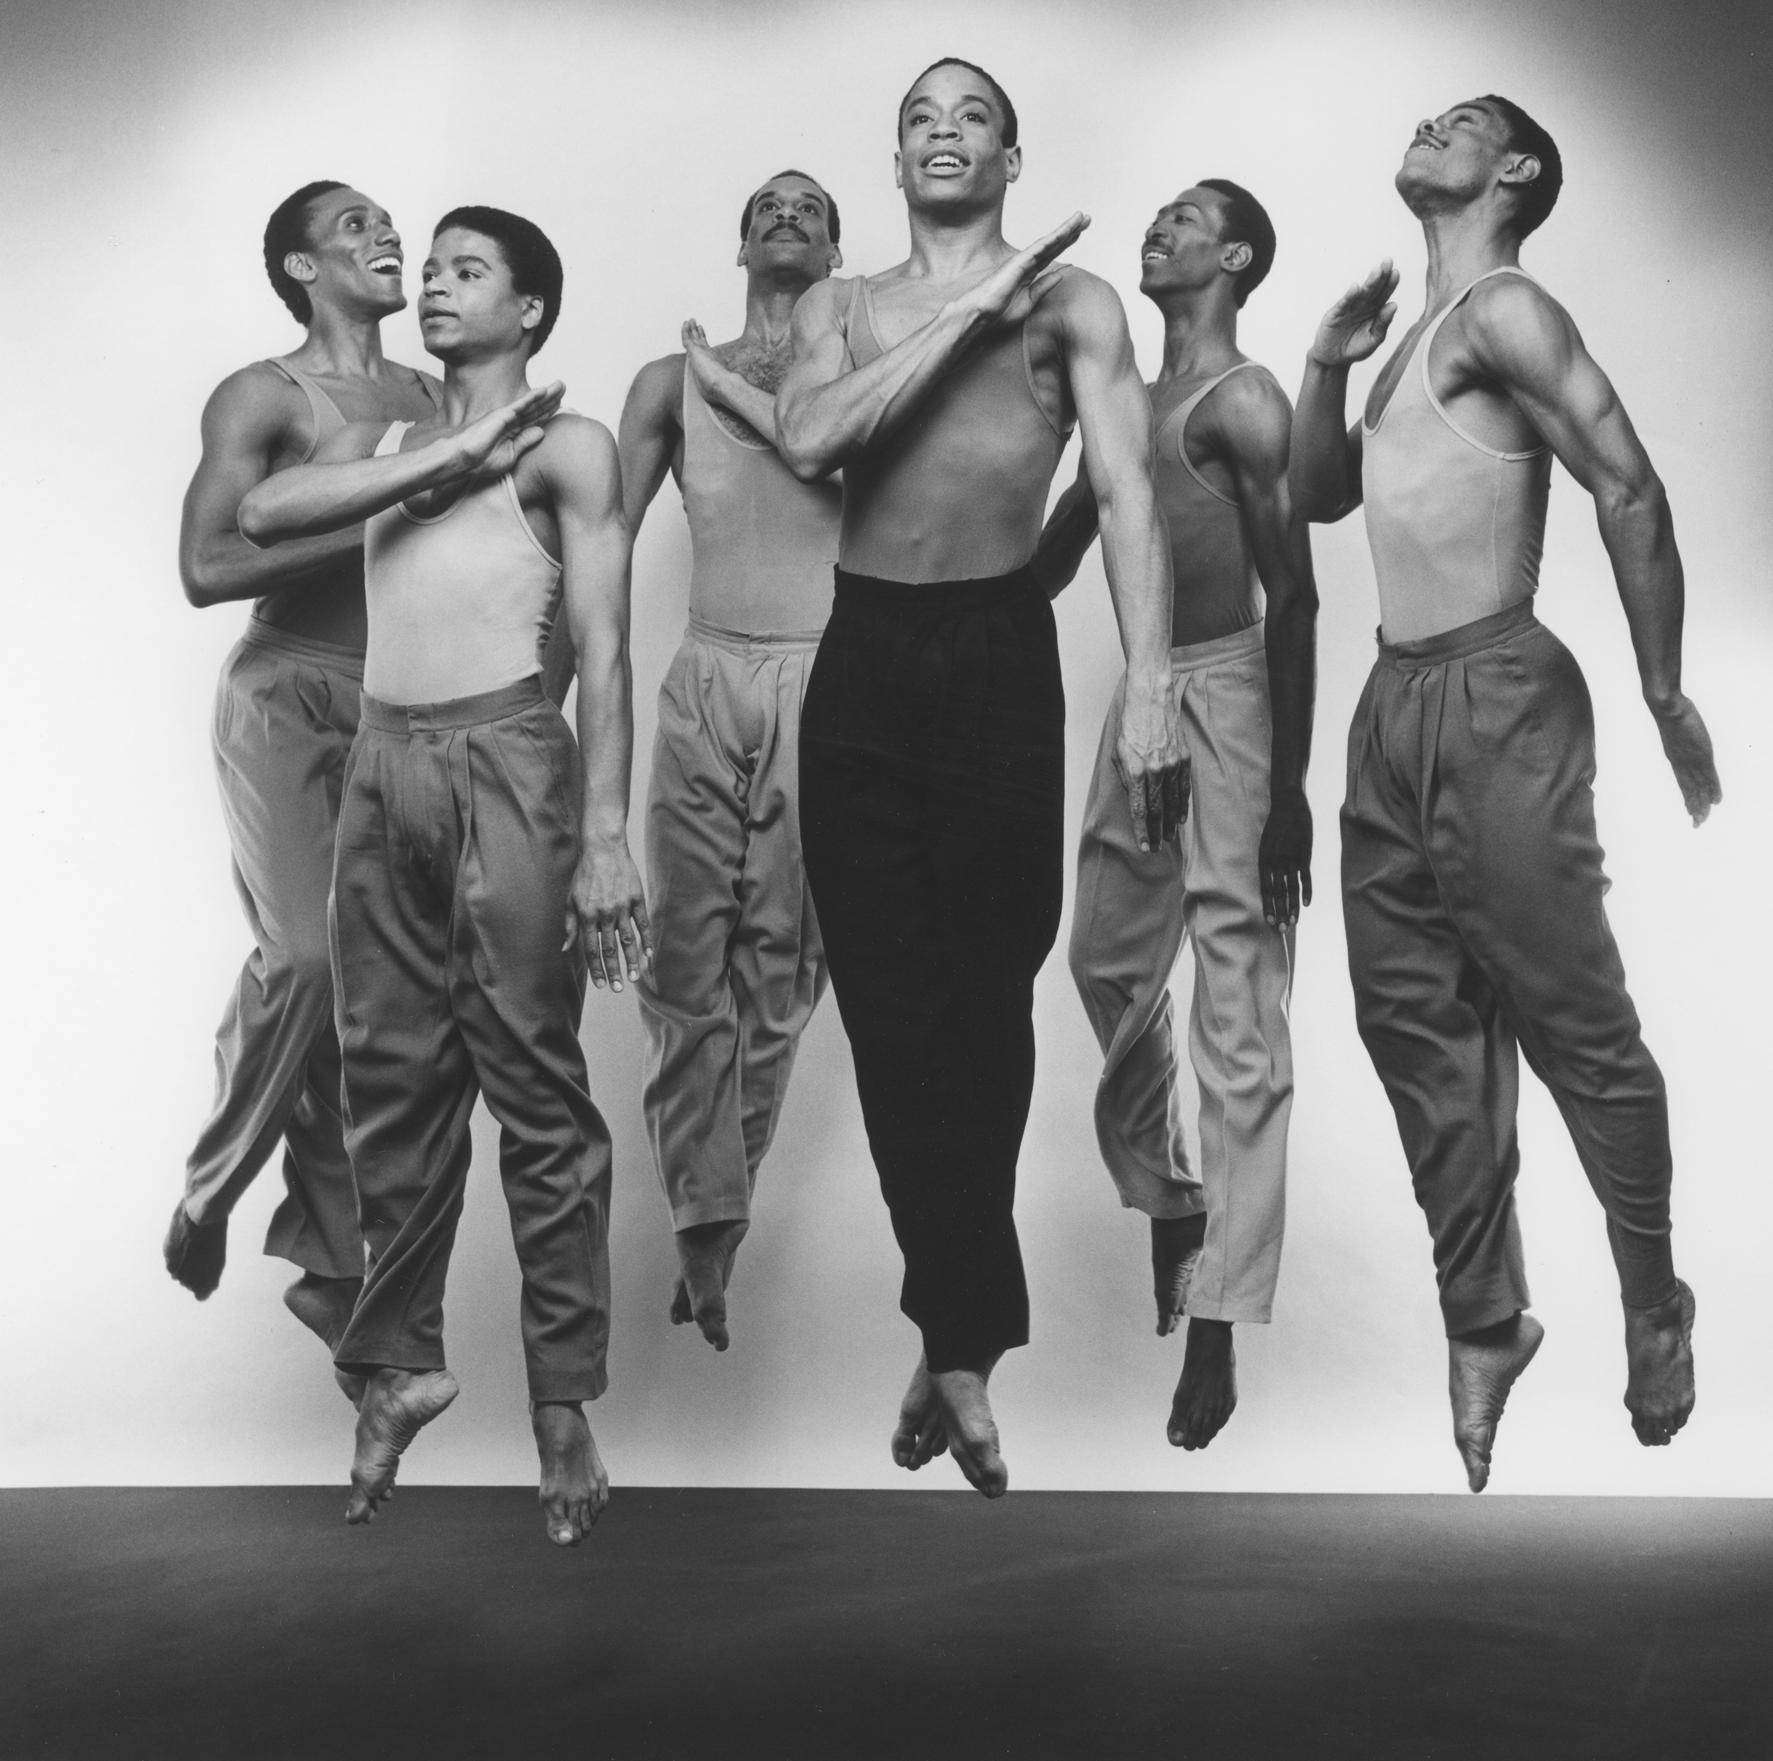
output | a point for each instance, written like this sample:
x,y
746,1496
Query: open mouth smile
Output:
x,y
386,264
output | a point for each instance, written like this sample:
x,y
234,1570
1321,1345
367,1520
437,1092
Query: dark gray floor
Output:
x,y
252,1623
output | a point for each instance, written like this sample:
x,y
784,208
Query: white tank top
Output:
x,y
459,602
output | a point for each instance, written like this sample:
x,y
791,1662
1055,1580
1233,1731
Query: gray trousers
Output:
x,y
1131,914
286,711
457,845
1471,886
738,965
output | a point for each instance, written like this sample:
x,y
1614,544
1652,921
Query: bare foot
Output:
x,y
705,1258
919,1437
1481,1368
195,1252
1206,1396
1659,1367
574,1486
396,1405
969,1427
1175,1250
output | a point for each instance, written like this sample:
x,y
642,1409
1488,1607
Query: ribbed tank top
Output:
x,y
959,490
1217,591
1456,527
762,543
459,602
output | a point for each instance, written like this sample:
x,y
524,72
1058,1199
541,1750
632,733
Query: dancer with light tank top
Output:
x,y
1243,686
1471,873
739,967
473,833
932,743
286,709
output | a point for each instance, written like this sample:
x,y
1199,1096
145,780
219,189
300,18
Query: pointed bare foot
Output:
x,y
195,1252
1659,1367
1206,1396
1481,1368
396,1405
574,1486
969,1427
1175,1251
705,1260
919,1437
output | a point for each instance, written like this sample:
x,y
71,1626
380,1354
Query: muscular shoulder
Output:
x,y
658,381
255,396
1082,301
577,457
1514,327
1250,418
824,301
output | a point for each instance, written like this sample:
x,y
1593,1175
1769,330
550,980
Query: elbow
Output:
x,y
1638,497
807,464
252,524
204,584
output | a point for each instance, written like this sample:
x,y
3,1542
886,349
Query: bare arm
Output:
x,y
827,411
719,384
1067,536
1326,461
346,484
1254,429
1522,339
1114,414
650,434
607,909
247,422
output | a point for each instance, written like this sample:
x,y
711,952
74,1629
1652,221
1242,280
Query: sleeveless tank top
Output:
x,y
459,602
1217,592
1456,527
328,419
965,476
762,543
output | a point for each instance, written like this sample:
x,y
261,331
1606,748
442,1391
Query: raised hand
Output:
x,y
606,911
492,445
1356,325
1688,746
1010,292
704,363
1283,860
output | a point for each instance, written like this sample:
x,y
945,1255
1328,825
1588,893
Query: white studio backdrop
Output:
x,y
146,143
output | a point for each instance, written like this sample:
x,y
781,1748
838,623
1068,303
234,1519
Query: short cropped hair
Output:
x,y
997,91
1246,222
528,252
286,231
830,203
1535,200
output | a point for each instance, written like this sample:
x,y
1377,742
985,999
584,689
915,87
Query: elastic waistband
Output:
x,y
458,712
1186,656
334,656
749,641
1456,644
870,591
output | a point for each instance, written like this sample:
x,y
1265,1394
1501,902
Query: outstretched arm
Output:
x,y
827,411
1067,536
246,424
1326,460
345,484
1114,413
1526,342
1254,428
607,909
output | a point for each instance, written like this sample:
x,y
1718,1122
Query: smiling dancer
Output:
x,y
740,967
472,830
932,744
1471,874
286,710
1235,883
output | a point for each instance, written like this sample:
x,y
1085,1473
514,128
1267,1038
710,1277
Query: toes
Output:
x,y
904,1444
680,1305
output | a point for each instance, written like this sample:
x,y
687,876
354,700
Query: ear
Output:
x,y
1522,168
1013,159
744,256
299,266
1236,257
898,171
533,308
834,260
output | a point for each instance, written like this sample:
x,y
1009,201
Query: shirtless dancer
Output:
x,y
932,750
1235,883
740,968
1471,876
285,712
463,850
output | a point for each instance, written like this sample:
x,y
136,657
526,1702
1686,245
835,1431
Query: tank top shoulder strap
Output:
x,y
1427,344
390,442
1177,420
320,406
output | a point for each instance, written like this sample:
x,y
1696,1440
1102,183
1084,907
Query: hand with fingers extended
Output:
x,y
1012,290
1283,860
1152,766
1356,325
606,913
1688,746
709,369
493,444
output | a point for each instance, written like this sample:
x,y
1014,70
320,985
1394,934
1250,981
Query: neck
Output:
x,y
1464,243
472,389
769,310
343,345
951,246
1200,332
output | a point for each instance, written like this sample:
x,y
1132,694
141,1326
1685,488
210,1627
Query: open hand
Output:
x,y
606,912
1283,860
1356,325
1010,292
1688,746
492,445
1152,766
